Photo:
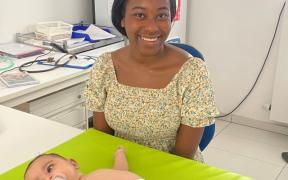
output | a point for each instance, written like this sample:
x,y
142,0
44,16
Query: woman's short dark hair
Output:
x,y
118,11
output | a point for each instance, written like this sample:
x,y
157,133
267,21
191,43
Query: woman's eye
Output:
x,y
163,16
139,15
50,168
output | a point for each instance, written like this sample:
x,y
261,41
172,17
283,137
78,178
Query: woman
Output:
x,y
150,92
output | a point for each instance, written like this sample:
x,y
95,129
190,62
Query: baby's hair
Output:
x,y
42,155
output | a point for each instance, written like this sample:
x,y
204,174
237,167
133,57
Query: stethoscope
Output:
x,y
56,63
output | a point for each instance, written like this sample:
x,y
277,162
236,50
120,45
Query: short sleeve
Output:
x,y
95,92
198,107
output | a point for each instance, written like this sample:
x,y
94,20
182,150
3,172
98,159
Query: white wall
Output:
x,y
179,27
16,15
280,88
234,36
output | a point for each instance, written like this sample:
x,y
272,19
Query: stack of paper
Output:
x,y
15,79
19,50
93,32
97,33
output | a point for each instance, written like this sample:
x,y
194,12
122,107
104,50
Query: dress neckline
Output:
x,y
174,78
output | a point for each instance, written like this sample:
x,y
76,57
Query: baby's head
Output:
x,y
52,167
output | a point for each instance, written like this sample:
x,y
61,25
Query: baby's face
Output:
x,y
52,168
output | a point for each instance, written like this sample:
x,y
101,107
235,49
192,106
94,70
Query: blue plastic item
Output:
x,y
77,64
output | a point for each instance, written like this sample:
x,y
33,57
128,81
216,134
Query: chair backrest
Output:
x,y
208,130
190,49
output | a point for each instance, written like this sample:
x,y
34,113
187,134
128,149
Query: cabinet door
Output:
x,y
75,116
52,104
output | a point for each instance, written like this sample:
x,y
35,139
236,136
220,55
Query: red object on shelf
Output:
x,y
178,5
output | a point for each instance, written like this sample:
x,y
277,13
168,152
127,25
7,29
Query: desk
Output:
x,y
58,97
49,81
93,150
22,136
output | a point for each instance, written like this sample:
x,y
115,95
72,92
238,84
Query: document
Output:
x,y
96,33
20,50
15,79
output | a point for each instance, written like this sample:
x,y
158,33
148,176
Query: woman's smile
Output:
x,y
150,40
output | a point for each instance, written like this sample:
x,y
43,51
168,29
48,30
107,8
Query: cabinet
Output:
x,y
65,106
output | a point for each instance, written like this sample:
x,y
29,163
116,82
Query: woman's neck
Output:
x,y
146,60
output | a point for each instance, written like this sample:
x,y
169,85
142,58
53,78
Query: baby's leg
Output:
x,y
120,161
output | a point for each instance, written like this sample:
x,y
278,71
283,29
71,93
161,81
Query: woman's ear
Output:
x,y
74,163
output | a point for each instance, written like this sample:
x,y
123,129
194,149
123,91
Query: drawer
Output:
x,y
72,117
58,101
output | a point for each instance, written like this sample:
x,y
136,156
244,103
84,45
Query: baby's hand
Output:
x,y
120,151
120,147
120,159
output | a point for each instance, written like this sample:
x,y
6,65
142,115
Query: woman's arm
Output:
x,y
100,123
187,141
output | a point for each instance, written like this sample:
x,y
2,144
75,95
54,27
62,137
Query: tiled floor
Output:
x,y
248,151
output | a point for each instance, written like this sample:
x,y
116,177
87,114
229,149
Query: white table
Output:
x,y
23,136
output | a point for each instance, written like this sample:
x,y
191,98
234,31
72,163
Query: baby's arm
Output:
x,y
120,161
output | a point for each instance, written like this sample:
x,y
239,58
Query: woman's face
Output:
x,y
147,24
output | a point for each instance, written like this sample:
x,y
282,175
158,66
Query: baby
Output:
x,y
56,167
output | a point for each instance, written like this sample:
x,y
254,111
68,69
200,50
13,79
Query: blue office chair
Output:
x,y
208,130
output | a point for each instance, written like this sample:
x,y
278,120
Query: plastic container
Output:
x,y
53,30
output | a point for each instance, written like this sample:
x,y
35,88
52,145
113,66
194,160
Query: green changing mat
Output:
x,y
93,150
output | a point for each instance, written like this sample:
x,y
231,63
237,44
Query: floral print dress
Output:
x,y
151,117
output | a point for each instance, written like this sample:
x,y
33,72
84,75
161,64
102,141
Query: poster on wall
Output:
x,y
178,5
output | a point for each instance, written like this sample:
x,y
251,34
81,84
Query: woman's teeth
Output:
x,y
150,39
